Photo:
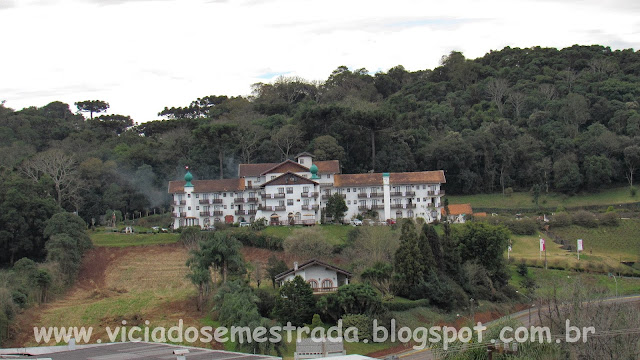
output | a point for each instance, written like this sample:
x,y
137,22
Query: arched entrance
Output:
x,y
275,219
399,214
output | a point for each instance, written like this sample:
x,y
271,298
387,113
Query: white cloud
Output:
x,y
142,55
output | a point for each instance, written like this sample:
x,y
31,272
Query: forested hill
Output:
x,y
565,120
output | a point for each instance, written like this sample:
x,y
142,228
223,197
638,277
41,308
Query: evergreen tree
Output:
x,y
295,303
430,248
409,264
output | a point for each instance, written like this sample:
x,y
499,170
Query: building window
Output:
x,y
197,196
280,190
273,177
327,284
354,189
289,202
424,187
348,189
224,194
289,190
301,161
348,202
225,206
313,284
189,208
188,195
305,189
197,207
328,176
305,202
418,199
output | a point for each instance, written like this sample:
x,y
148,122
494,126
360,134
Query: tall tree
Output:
x,y
295,303
92,106
286,139
408,262
219,137
498,89
374,122
58,166
632,160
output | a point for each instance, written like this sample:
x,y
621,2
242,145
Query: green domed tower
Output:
x,y
314,172
188,177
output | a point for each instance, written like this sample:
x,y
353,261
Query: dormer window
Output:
x,y
301,160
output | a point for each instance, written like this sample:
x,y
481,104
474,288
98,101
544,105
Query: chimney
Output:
x,y
295,266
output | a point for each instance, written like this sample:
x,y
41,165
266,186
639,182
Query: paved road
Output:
x,y
522,316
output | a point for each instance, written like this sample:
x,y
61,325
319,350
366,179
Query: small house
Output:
x,y
321,276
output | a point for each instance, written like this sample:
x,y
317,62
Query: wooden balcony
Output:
x,y
410,193
238,200
280,208
310,194
217,201
183,214
362,195
325,196
241,212
174,215
306,207
252,199
183,202
363,207
204,201
403,193
377,207
273,196
205,213
403,206
396,193
265,208
252,212
217,213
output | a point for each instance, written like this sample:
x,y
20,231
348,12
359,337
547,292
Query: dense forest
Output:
x,y
556,120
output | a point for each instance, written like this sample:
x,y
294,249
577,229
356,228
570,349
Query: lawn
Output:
x,y
334,234
112,239
523,200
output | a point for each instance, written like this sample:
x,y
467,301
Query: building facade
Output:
x,y
295,192
322,277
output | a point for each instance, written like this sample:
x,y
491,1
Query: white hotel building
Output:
x,y
294,192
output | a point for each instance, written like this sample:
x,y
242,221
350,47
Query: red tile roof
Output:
x,y
375,179
324,167
458,209
285,179
203,186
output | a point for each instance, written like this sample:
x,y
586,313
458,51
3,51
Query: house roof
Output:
x,y
324,167
286,166
459,209
289,178
203,186
408,178
304,153
311,263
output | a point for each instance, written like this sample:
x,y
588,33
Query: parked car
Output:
x,y
245,224
391,221
356,222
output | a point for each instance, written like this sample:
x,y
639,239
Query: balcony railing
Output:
x,y
265,208
252,199
217,201
403,193
403,206
175,215
273,196
183,214
310,194
217,213
251,212
204,213
363,207
377,207
315,207
204,201
238,200
325,196
306,207
280,208
183,202
241,212
324,290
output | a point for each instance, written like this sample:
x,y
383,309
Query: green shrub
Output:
x,y
525,226
363,323
406,305
610,219
585,219
251,238
508,191
523,270
561,219
633,191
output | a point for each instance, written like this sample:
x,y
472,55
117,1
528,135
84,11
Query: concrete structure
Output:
x,y
318,348
321,276
294,192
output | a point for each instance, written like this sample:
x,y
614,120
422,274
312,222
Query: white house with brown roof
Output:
x,y
294,192
458,213
321,276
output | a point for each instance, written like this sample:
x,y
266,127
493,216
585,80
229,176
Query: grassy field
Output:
x,y
334,234
523,200
111,239
602,254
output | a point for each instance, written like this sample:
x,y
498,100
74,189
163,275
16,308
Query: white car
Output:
x,y
245,224
356,222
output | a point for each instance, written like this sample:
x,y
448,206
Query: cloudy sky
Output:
x,y
143,55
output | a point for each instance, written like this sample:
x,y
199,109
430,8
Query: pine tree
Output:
x,y
409,264
430,248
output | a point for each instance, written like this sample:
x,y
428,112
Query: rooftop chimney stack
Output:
x,y
295,266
